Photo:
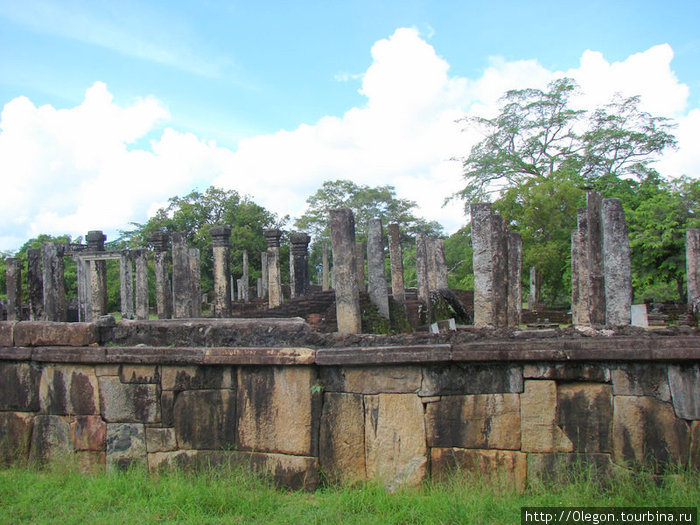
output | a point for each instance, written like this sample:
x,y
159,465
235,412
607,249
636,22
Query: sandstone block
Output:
x,y
6,335
684,381
395,445
19,387
88,433
69,390
90,461
505,467
139,374
584,413
567,372
559,467
195,377
538,410
474,421
634,379
167,401
160,440
342,441
106,370
695,445
44,333
15,436
205,419
123,403
51,438
126,445
371,379
647,431
455,379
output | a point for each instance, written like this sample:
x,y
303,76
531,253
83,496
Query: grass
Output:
x,y
62,495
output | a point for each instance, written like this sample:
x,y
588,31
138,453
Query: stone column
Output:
x,y
195,281
347,297
274,291
692,263
440,264
264,274
82,268
54,289
141,284
245,279
422,282
515,300
376,268
220,238
300,262
616,264
325,281
126,285
580,274
482,243
533,298
292,286
398,289
259,288
164,297
360,265
182,285
13,281
97,271
594,256
500,271
35,287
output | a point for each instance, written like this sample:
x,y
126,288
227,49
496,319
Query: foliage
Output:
x,y
458,254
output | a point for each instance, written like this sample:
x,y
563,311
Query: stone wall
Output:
x,y
400,414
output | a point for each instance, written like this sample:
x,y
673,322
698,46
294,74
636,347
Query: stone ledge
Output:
x,y
6,329
47,333
259,356
147,355
64,354
15,353
384,355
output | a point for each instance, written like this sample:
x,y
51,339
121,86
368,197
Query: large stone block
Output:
x,y
562,467
160,440
69,390
371,379
126,445
277,410
474,421
88,433
19,386
205,419
139,374
51,438
695,445
15,436
6,336
641,379
45,333
456,379
195,377
568,372
122,403
684,381
395,443
584,413
538,414
90,461
647,431
342,441
508,468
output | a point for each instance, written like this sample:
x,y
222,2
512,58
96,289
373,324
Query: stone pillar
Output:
x,y
35,287
195,281
500,271
422,283
54,289
515,299
692,263
376,268
398,289
580,274
300,262
182,285
141,284
616,264
13,281
292,285
97,272
164,296
259,288
594,256
126,285
440,264
347,297
360,265
533,298
82,276
245,279
482,244
325,281
220,238
264,274
274,290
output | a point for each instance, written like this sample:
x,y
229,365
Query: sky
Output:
x,y
110,108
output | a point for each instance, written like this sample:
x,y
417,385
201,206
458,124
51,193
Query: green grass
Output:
x,y
61,495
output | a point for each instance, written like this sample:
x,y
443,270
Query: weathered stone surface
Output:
x,y
54,291
483,244
126,445
222,270
141,285
474,421
383,355
342,439
595,254
558,467
395,446
276,410
182,278
507,468
69,354
422,281
514,288
695,445
128,402
371,379
126,285
471,379
35,287
347,293
274,275
15,436
69,390
646,431
160,439
51,438
205,419
43,333
19,386
88,433
195,377
167,402
195,281
259,356
692,263
616,264
164,298
584,413
13,286
684,382
398,291
538,411
300,263
594,372
90,461
139,374
376,267
6,333
107,370
637,379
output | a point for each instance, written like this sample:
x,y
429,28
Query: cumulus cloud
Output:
x,y
72,170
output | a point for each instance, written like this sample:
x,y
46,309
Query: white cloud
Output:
x,y
77,169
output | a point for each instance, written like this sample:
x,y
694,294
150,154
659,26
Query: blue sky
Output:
x,y
273,98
